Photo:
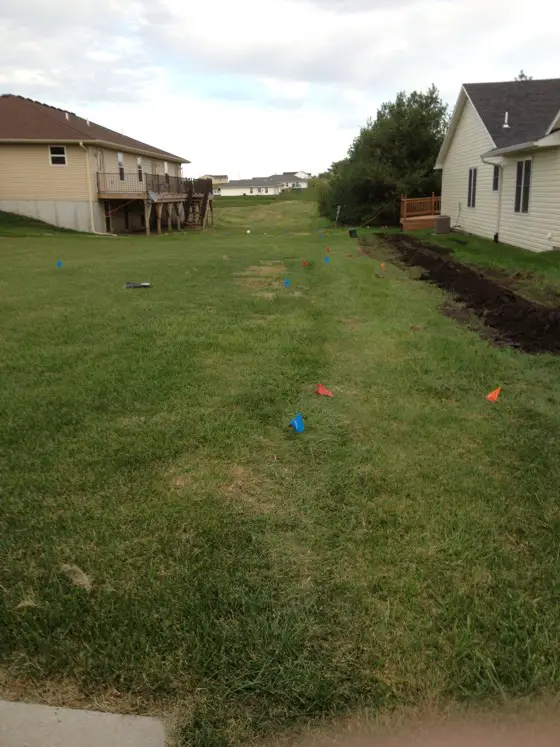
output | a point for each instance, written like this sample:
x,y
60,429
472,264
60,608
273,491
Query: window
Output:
x,y
139,167
57,155
496,179
259,190
523,186
120,164
251,190
471,196
166,171
266,190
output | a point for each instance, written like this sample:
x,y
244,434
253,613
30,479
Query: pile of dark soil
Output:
x,y
524,324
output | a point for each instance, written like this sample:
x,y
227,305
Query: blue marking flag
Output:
x,y
297,423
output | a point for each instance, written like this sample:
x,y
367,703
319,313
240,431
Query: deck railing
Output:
x,y
417,206
161,184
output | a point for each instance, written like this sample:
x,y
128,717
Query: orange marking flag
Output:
x,y
493,396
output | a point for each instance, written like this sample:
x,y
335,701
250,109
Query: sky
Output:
x,y
254,87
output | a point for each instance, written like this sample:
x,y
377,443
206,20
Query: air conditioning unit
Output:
x,y
442,224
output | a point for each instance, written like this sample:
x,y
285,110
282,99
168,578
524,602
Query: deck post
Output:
x,y
147,215
433,202
169,216
177,206
159,210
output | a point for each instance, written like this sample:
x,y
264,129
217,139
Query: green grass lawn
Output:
x,y
169,545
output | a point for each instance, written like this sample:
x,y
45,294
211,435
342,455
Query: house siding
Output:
x,y
150,165
226,191
539,229
26,174
470,140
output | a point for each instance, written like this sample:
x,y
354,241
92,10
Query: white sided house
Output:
x,y
264,185
500,163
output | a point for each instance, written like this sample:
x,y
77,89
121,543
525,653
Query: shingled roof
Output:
x,y
26,119
532,106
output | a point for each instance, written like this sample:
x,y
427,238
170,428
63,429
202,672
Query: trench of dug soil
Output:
x,y
514,320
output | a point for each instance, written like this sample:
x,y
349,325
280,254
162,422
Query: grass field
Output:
x,y
169,546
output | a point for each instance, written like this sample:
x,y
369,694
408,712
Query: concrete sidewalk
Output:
x,y
26,725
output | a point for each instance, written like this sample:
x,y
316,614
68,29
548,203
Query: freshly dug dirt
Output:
x,y
524,324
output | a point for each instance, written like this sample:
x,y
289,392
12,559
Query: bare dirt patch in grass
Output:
x,y
77,576
249,489
67,694
350,322
272,268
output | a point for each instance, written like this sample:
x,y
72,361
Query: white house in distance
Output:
x,y
501,163
264,185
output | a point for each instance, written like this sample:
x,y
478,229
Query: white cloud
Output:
x,y
255,86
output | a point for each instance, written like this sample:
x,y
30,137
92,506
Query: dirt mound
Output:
x,y
519,322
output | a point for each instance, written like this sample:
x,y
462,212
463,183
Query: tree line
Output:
x,y
394,154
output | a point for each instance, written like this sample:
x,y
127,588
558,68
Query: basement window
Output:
x,y
471,196
496,179
57,155
523,186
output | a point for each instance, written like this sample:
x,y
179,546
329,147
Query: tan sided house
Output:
x,y
501,163
73,173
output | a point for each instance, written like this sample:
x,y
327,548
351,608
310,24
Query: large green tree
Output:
x,y
393,155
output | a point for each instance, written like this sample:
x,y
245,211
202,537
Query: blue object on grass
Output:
x,y
59,263
286,283
297,423
327,259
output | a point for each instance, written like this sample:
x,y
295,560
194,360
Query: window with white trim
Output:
x,y
523,186
120,165
139,167
57,154
471,194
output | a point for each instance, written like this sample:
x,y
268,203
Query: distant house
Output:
x,y
73,173
217,179
501,163
264,185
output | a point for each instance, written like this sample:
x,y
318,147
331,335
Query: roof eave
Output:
x,y
548,141
555,124
456,116
105,143
457,113
510,149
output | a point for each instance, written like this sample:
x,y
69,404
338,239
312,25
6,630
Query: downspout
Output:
x,y
90,195
499,217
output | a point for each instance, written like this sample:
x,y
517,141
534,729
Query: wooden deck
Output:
x,y
172,200
419,212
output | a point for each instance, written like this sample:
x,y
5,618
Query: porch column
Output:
x,y
177,206
159,210
169,216
147,215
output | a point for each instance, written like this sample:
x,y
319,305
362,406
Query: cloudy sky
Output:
x,y
250,87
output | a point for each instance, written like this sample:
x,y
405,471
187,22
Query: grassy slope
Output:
x,y
18,225
401,552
